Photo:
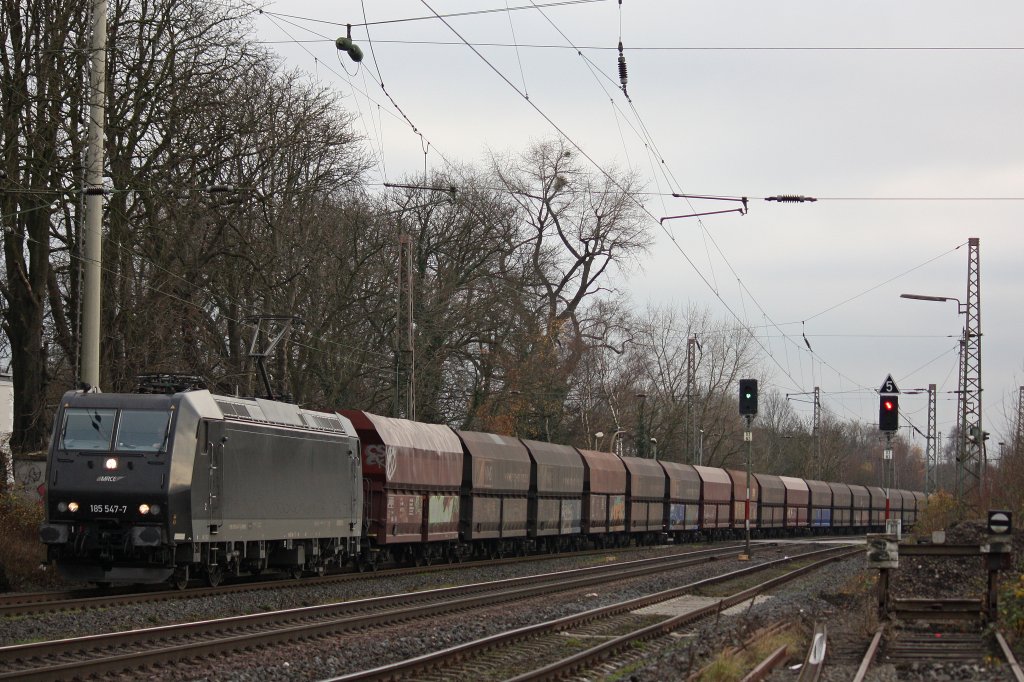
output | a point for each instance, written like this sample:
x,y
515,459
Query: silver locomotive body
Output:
x,y
146,488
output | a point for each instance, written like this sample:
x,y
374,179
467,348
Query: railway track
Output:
x,y
593,643
32,603
114,652
905,647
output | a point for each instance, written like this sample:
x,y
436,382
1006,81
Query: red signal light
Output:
x,y
888,413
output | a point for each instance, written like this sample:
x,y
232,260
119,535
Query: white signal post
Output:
x,y
888,388
748,436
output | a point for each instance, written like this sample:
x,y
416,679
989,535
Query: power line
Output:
x,y
495,10
660,48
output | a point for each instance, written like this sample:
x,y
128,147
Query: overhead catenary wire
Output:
x,y
833,199
596,165
662,48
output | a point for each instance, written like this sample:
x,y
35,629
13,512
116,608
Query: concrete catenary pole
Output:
x,y
92,256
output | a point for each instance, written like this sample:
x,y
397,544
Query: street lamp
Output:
x,y
961,307
654,447
970,382
700,450
616,436
641,440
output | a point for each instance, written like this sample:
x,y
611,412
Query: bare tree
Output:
x,y
43,43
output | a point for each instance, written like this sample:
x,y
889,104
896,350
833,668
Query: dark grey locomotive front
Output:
x,y
107,492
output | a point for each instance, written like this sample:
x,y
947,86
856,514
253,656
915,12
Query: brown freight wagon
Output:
x,y
739,499
495,492
896,504
906,516
861,506
554,516
716,494
922,504
877,506
604,495
772,505
411,478
798,502
682,514
842,505
821,505
645,514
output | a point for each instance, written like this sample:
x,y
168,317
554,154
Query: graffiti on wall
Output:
x,y
30,478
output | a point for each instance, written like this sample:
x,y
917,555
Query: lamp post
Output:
x,y
961,307
700,449
641,440
970,455
616,437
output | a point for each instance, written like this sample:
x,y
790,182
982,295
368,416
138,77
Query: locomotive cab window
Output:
x,y
142,430
87,429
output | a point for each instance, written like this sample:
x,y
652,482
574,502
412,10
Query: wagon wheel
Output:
x,y
214,575
295,572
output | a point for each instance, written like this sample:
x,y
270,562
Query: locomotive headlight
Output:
x,y
154,509
72,507
143,508
62,506
110,463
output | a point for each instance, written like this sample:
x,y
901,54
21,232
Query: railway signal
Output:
x,y
1000,522
888,413
748,397
889,406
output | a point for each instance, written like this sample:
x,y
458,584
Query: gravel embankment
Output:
x,y
331,656
841,596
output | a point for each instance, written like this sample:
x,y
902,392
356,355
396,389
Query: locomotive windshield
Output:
x,y
87,429
143,430
93,429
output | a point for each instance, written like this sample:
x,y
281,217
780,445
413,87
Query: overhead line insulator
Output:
x,y
623,71
790,198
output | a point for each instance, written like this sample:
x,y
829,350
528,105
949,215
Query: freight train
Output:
x,y
145,488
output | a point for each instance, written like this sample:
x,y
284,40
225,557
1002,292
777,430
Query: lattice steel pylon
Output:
x,y
816,432
691,398
405,334
972,463
1018,441
931,449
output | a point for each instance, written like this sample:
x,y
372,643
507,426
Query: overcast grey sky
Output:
x,y
903,118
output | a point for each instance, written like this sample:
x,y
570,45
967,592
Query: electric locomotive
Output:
x,y
147,488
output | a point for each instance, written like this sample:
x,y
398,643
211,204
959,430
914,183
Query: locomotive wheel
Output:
x,y
179,580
